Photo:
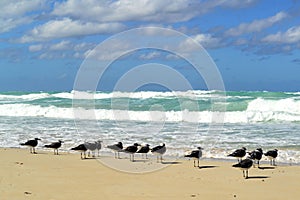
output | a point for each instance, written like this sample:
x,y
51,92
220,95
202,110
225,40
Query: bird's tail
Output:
x,y
22,144
48,146
237,165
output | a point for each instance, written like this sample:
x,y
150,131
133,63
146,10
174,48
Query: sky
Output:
x,y
254,44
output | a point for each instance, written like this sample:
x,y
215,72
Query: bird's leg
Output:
x,y
194,164
198,163
243,173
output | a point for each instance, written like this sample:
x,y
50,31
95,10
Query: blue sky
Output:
x,y
255,44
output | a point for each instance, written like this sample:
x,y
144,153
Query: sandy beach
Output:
x,y
46,176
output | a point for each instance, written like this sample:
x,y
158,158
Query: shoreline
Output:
x,y
66,176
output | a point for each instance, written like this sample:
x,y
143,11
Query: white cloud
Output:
x,y
256,25
151,55
141,10
205,40
292,35
63,45
69,28
128,10
35,48
109,51
12,13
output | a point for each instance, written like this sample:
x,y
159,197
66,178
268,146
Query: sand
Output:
x,y
66,176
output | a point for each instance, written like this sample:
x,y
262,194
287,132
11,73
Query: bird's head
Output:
x,y
200,148
37,138
259,149
136,144
244,148
60,141
275,149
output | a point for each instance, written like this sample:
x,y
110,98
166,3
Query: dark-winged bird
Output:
x,y
256,155
117,148
239,153
244,165
195,154
272,155
31,144
54,146
82,149
159,151
131,150
144,149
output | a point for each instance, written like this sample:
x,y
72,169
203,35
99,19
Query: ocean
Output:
x,y
182,120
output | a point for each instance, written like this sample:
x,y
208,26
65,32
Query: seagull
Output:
x,y
116,148
131,150
256,155
144,149
195,154
91,146
55,146
159,151
272,154
244,165
31,144
239,153
82,149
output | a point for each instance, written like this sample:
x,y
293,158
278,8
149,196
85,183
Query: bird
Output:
x,y
98,146
244,165
91,147
31,144
256,155
239,153
82,149
159,151
195,154
272,154
116,148
55,146
131,150
144,149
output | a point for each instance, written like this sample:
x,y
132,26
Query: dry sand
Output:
x,y
46,176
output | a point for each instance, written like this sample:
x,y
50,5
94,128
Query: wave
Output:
x,y
250,115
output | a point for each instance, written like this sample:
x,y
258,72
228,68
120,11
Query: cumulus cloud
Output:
x,y
69,28
13,13
206,40
128,10
292,35
256,25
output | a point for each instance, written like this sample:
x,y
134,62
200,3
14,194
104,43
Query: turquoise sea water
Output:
x,y
217,121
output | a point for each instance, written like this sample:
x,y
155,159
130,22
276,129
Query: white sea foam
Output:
x,y
250,115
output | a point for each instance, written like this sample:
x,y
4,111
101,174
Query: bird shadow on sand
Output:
x,y
263,168
89,158
207,167
170,162
258,177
